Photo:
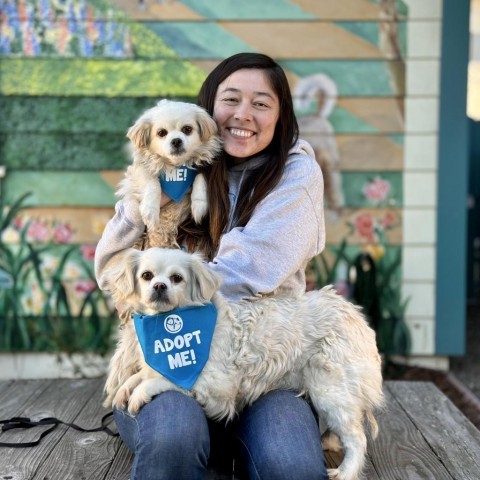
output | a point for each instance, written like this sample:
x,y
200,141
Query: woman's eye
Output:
x,y
187,129
147,275
176,278
162,132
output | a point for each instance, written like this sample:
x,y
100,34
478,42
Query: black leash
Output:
x,y
24,422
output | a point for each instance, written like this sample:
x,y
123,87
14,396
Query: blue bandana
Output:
x,y
177,181
177,343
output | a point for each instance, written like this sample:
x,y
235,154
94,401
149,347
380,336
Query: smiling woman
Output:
x,y
246,110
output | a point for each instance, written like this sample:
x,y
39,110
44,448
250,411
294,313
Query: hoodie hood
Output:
x,y
237,174
302,147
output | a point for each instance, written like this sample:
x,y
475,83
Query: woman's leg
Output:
x,y
280,439
169,437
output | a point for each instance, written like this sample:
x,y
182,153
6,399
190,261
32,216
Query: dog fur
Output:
x,y
169,135
318,345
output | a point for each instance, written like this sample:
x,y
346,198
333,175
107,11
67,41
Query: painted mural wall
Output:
x,y
74,75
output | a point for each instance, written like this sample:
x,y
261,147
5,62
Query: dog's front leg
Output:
x,y
199,198
150,203
147,389
123,394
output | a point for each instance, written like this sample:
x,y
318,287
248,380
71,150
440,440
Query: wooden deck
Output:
x,y
422,435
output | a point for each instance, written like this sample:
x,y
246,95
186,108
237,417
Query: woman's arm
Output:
x,y
285,231
123,230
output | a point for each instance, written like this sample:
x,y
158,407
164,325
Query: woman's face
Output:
x,y
246,111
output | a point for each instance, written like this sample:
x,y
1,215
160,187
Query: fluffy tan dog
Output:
x,y
165,137
319,345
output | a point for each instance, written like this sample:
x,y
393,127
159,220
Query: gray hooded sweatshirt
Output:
x,y
270,253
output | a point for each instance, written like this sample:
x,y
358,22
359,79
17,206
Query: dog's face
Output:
x,y
173,133
159,280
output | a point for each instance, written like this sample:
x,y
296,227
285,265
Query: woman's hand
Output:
x,y
164,200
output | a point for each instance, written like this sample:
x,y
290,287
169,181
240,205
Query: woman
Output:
x,y
265,223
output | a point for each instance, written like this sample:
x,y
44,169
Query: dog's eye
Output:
x,y
187,129
162,132
147,275
176,278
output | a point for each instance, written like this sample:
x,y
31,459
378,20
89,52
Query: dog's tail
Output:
x,y
372,423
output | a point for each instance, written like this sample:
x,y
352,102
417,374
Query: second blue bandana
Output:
x,y
177,343
177,181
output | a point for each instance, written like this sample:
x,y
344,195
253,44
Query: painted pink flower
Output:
x,y
377,190
88,252
38,232
17,223
365,226
84,287
388,220
62,233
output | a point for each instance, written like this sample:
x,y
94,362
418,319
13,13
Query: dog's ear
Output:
x,y
205,282
207,126
139,134
121,275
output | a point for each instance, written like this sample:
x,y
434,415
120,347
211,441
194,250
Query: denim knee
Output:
x,y
280,439
169,437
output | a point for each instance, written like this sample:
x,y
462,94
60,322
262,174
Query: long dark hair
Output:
x,y
206,237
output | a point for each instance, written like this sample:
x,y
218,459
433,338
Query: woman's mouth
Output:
x,y
237,132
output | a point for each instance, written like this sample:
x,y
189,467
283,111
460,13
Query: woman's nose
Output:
x,y
243,112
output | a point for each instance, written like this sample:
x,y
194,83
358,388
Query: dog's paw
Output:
x,y
150,215
120,401
334,474
199,209
137,400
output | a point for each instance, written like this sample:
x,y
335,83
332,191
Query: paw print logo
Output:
x,y
173,324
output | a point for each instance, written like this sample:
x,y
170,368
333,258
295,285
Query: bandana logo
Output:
x,y
176,182
177,344
173,324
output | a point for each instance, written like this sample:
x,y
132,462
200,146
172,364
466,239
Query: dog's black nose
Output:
x,y
177,142
160,286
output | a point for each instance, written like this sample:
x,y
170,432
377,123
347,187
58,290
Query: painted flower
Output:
x,y
377,190
38,231
72,271
62,233
388,220
18,223
49,265
33,300
375,251
364,225
99,223
11,236
84,286
88,252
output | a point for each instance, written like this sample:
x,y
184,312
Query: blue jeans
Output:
x,y
277,438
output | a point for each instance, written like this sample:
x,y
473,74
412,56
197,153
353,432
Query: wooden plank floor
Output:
x,y
422,435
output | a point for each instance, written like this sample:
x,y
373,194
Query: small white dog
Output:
x,y
168,140
319,345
